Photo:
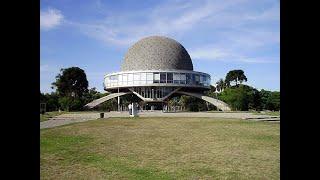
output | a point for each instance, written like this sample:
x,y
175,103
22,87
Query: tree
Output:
x,y
220,85
255,100
264,98
241,97
71,82
192,103
273,101
51,100
211,92
235,76
91,95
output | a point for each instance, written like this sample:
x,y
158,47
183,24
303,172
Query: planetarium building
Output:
x,y
154,69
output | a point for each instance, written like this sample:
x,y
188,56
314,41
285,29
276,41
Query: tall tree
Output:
x,y
235,76
71,82
220,85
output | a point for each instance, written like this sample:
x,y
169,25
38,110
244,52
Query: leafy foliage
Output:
x,y
235,76
270,100
51,100
241,98
220,85
71,82
192,103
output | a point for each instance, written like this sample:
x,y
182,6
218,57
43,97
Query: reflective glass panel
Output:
x,y
176,78
188,78
130,77
197,79
136,77
143,76
149,78
120,77
156,77
182,78
124,77
163,77
169,77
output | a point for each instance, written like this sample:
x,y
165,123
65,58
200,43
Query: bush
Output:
x,y
270,100
71,104
241,97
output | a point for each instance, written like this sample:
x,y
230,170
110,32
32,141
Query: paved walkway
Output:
x,y
86,116
68,118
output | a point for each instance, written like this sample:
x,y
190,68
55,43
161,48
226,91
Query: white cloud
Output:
x,y
223,54
242,33
210,53
170,18
50,18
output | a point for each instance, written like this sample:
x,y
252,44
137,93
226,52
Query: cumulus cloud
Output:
x,y
50,18
169,18
239,31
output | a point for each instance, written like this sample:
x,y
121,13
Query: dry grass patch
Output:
x,y
162,148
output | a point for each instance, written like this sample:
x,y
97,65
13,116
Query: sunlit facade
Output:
x,y
154,68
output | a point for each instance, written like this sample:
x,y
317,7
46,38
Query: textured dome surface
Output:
x,y
156,53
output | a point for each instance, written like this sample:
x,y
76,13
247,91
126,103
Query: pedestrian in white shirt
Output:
x,y
130,109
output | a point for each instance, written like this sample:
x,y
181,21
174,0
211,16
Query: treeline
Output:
x,y
243,97
239,96
72,93
54,101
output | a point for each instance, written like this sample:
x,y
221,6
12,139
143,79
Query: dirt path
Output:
x,y
86,116
67,119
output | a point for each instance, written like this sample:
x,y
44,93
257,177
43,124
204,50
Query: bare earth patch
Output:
x,y
161,148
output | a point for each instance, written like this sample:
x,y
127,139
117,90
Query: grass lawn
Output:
x,y
161,148
47,115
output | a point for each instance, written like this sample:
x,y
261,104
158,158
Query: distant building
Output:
x,y
155,68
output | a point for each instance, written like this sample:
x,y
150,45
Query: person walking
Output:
x,y
130,109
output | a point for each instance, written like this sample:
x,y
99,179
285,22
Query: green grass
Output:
x,y
161,148
47,115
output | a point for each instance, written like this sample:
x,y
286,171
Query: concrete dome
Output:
x,y
156,53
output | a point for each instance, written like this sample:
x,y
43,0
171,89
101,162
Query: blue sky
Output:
x,y
219,36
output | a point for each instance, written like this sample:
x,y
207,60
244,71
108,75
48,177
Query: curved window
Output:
x,y
145,78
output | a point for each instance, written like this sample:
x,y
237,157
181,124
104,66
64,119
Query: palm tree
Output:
x,y
220,85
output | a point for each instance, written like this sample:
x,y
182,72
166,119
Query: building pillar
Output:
x,y
118,102
152,93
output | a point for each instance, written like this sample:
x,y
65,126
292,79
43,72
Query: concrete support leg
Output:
x,y
119,103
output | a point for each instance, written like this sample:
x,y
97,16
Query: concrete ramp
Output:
x,y
219,104
105,98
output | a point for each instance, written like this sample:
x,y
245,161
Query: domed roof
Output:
x,y
156,53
